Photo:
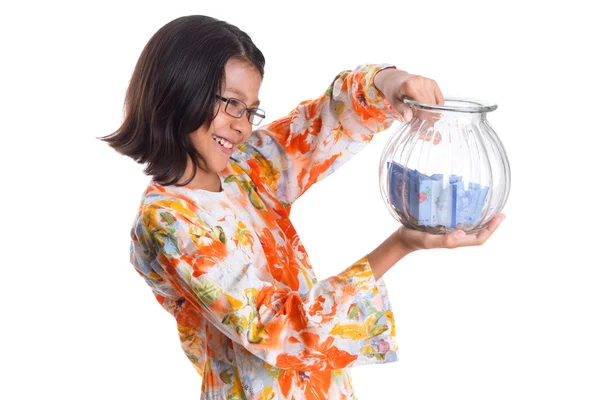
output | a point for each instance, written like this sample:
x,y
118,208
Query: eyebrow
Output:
x,y
242,95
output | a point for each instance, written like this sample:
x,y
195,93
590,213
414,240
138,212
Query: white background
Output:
x,y
518,318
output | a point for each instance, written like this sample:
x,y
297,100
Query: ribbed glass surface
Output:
x,y
446,169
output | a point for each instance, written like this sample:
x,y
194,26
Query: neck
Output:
x,y
204,180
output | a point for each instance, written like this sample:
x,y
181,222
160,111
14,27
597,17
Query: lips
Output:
x,y
223,142
224,145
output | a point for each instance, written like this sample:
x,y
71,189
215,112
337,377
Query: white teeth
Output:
x,y
223,142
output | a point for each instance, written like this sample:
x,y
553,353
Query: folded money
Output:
x,y
437,199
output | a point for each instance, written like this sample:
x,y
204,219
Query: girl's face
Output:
x,y
225,133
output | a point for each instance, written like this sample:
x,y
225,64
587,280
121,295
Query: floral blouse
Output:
x,y
252,317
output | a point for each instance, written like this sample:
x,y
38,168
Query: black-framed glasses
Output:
x,y
236,108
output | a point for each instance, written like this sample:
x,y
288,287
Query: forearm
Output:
x,y
387,254
319,136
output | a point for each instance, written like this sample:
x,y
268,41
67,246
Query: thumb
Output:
x,y
405,111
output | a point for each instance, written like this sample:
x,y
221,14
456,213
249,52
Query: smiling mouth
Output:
x,y
223,142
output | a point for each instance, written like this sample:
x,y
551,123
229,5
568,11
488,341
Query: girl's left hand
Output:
x,y
396,85
413,240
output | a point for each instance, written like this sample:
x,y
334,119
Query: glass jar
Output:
x,y
446,168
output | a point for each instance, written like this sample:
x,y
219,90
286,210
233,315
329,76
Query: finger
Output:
x,y
439,97
425,94
404,110
430,97
483,236
462,240
418,88
430,87
453,239
434,116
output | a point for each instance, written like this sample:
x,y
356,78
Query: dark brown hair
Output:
x,y
172,92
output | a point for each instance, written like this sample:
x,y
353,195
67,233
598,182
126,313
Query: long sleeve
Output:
x,y
342,321
318,136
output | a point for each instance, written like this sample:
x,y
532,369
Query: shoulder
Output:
x,y
165,210
158,198
171,223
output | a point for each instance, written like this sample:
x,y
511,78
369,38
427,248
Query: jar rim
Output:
x,y
454,104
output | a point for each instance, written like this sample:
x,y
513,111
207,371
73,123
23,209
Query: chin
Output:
x,y
218,168
216,163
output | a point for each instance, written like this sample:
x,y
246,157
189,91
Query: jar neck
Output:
x,y
470,117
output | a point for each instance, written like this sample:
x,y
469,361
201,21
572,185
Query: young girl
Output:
x,y
213,237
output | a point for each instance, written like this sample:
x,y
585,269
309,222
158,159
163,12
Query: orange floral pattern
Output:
x,y
251,315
